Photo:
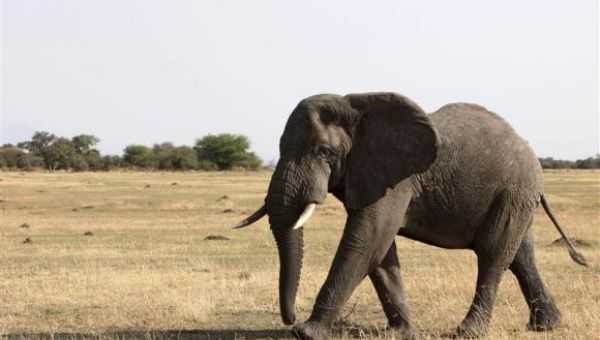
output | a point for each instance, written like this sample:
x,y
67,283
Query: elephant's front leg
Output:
x,y
388,284
368,235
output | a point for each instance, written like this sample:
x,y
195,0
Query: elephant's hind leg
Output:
x,y
388,284
543,313
496,243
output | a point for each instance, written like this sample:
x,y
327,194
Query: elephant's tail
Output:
x,y
575,255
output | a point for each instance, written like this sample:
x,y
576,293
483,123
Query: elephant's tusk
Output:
x,y
305,216
257,215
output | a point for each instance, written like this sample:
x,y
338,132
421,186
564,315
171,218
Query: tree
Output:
x,y
206,165
79,163
588,163
226,151
39,145
9,155
60,154
162,155
251,161
551,163
162,147
83,143
111,162
139,156
28,161
179,158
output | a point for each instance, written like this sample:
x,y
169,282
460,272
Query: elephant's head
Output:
x,y
356,146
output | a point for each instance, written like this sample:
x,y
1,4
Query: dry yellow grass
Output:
x,y
148,272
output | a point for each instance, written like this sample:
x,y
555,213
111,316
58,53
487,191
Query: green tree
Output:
x,y
226,151
162,155
60,154
79,163
551,163
28,162
111,162
39,145
162,147
83,143
94,160
9,155
139,156
251,161
183,158
588,163
207,165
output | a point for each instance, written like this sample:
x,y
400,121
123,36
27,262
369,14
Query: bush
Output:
x,y
181,158
111,162
250,162
78,163
59,155
29,162
207,165
588,163
9,155
83,143
139,156
226,151
94,160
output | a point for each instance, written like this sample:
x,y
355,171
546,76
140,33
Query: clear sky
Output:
x,y
153,71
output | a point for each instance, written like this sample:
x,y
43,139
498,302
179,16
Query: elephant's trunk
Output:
x,y
282,203
290,244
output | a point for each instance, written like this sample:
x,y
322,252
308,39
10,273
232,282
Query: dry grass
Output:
x,y
148,272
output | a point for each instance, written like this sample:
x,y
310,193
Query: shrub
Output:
x,y
111,162
78,163
29,162
9,155
226,151
207,165
139,156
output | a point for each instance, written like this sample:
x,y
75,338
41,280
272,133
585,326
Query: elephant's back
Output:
x,y
483,145
480,156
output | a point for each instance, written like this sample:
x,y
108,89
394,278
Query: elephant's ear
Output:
x,y
393,139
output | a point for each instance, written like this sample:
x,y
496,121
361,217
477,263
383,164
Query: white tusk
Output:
x,y
305,216
257,215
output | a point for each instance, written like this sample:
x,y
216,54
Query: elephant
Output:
x,y
458,178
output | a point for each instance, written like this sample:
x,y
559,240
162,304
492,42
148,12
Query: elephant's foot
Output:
x,y
311,330
544,319
470,329
403,332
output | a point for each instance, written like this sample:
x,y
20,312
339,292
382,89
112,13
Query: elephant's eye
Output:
x,y
325,151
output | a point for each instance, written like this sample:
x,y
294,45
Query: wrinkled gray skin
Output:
x,y
459,178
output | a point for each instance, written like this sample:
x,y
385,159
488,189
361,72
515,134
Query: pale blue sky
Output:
x,y
152,71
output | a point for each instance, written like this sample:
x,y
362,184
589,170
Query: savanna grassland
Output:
x,y
146,268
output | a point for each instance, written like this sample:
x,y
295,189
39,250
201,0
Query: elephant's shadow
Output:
x,y
339,331
198,334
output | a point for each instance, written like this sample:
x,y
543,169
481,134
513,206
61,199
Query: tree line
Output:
x,y
588,163
225,151
48,151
